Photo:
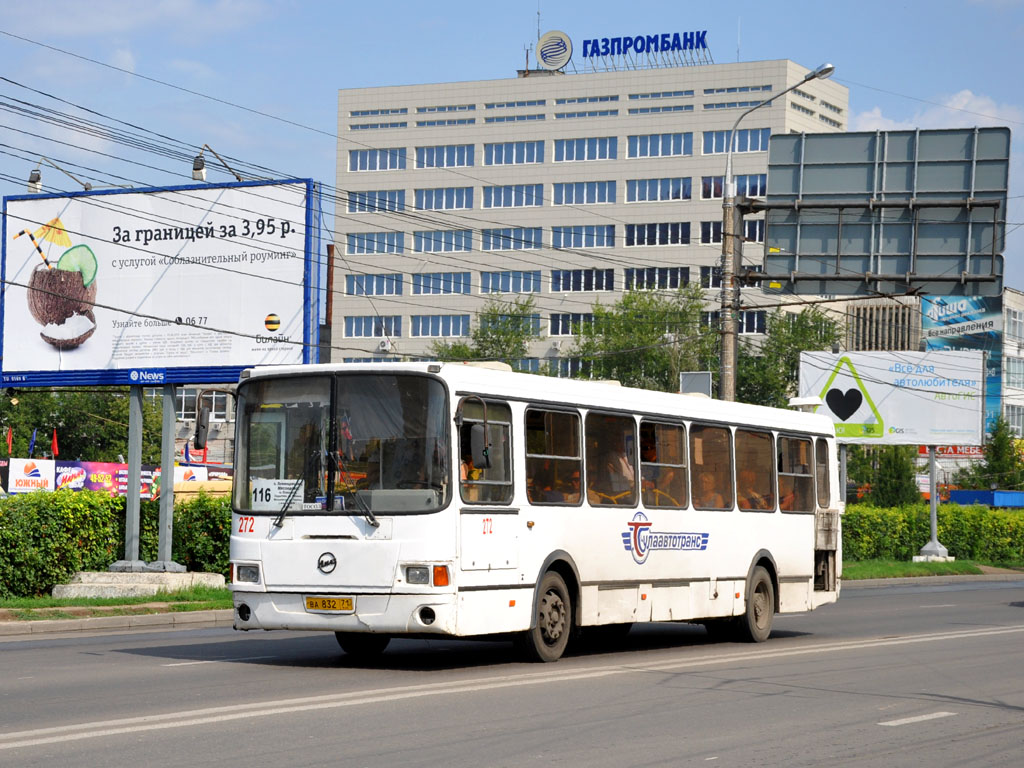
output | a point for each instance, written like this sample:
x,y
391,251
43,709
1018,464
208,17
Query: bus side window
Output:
x,y
711,467
755,471
662,465
492,484
553,462
821,465
796,483
611,459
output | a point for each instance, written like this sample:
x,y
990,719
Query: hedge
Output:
x,y
46,537
969,532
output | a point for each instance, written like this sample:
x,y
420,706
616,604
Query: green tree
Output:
x,y
894,483
769,374
1002,466
647,338
503,331
91,424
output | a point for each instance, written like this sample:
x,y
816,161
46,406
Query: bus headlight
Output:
x,y
417,574
247,573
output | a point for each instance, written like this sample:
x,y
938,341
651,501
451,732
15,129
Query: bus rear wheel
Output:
x,y
546,640
756,624
362,644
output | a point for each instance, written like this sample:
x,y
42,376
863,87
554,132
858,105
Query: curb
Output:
x,y
180,620
931,580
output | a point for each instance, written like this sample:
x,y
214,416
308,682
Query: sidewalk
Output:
x,y
174,620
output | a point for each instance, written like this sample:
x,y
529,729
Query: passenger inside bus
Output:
x,y
706,494
611,479
752,494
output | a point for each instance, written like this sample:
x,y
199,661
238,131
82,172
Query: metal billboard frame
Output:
x,y
886,212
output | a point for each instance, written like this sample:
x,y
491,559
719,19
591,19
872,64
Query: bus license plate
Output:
x,y
333,604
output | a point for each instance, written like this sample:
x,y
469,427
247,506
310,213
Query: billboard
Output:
x,y
887,212
969,322
898,398
165,285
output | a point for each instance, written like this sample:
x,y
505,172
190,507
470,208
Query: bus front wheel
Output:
x,y
362,644
756,624
547,638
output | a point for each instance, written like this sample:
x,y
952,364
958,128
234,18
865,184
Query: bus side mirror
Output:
x,y
479,446
202,428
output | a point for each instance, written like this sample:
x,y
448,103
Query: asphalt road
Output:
x,y
893,676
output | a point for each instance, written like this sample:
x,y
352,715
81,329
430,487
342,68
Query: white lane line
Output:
x,y
241,711
215,661
918,719
944,605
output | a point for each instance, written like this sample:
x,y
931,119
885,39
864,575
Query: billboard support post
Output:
x,y
131,560
164,562
933,550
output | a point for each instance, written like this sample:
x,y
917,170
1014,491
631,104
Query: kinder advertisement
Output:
x,y
29,475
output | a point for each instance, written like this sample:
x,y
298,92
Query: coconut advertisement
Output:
x,y
179,284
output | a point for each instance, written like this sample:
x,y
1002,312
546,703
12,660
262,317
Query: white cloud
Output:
x,y
196,70
961,110
123,59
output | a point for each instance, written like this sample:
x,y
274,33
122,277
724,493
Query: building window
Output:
x,y
749,185
583,236
440,283
584,192
376,242
514,323
738,89
440,325
514,196
187,407
373,326
753,230
571,367
803,95
662,108
443,121
444,198
444,156
511,239
592,148
586,99
374,200
661,94
377,159
1014,372
661,145
514,153
730,104
376,112
710,277
710,232
1014,414
1015,323
659,233
588,113
569,323
510,282
746,140
801,108
651,278
443,241
747,322
657,190
511,104
830,121
514,118
572,280
376,126
373,285
448,108
526,365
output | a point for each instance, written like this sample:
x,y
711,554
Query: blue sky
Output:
x,y
272,70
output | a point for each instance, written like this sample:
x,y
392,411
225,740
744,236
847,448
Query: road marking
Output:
x,y
918,719
215,661
944,605
242,711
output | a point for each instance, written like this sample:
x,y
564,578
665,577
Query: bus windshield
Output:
x,y
352,444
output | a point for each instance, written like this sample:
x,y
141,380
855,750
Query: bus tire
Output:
x,y
756,623
546,640
362,645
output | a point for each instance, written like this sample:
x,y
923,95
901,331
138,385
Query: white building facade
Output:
x,y
568,188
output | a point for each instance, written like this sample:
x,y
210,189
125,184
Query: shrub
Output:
x,y
202,529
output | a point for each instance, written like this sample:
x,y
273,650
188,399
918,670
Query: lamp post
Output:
x,y
732,249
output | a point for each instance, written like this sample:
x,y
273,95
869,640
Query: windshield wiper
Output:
x,y
287,504
360,501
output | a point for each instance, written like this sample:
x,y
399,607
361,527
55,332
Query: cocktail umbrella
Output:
x,y
52,231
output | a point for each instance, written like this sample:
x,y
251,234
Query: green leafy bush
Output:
x,y
898,533
202,530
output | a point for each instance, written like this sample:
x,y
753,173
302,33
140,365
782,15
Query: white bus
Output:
x,y
429,499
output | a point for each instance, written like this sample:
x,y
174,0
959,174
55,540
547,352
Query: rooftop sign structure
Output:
x,y
625,52
887,212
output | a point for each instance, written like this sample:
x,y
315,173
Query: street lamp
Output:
x,y
732,251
